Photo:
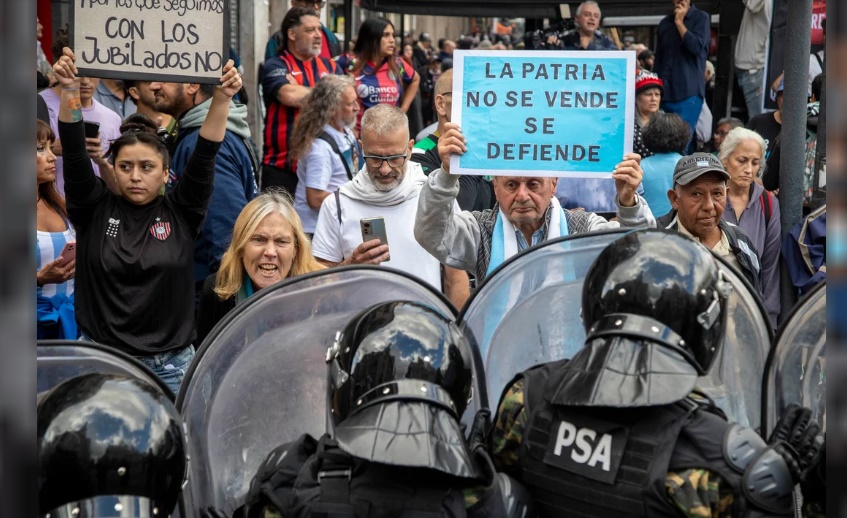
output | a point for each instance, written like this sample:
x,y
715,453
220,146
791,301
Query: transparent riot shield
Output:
x,y
796,368
259,379
528,312
60,360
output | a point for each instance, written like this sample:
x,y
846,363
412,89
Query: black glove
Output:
x,y
480,430
797,437
814,484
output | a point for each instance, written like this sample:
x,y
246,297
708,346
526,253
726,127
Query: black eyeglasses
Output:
x,y
374,161
308,2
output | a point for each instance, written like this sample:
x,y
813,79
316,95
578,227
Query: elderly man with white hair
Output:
x,y
386,187
587,35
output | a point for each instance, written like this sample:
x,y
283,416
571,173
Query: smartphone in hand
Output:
x,y
373,228
68,253
92,129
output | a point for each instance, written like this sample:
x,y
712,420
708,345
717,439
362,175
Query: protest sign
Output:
x,y
543,113
168,40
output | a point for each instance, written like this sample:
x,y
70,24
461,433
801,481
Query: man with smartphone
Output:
x,y
378,206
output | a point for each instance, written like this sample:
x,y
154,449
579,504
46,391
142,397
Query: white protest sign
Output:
x,y
169,40
543,113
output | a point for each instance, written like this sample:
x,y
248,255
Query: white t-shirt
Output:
x,y
334,244
815,68
322,169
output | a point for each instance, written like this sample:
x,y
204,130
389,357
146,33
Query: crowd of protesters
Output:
x,y
163,197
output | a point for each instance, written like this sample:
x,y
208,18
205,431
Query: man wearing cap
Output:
x,y
698,199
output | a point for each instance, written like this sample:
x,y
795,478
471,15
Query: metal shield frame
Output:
x,y
791,366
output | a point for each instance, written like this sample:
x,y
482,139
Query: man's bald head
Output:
x,y
444,83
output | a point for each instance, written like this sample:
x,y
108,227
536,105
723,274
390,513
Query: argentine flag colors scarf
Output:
x,y
504,241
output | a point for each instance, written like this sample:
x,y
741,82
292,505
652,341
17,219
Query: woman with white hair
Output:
x,y
752,208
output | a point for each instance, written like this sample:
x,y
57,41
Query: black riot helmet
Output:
x,y
395,350
662,287
400,377
109,445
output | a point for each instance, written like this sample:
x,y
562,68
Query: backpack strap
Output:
x,y
818,58
337,195
326,137
335,473
254,160
767,207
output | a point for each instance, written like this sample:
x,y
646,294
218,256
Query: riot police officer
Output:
x,y
400,377
620,429
108,446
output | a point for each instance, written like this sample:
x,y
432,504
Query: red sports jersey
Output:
x,y
279,119
382,87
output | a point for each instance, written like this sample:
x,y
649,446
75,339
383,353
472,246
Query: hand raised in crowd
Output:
x,y
628,176
369,252
230,81
452,142
92,145
65,70
56,272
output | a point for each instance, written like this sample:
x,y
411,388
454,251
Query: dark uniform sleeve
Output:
x,y
699,493
509,425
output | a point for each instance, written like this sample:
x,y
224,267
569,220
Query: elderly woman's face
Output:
x,y
648,101
270,251
744,162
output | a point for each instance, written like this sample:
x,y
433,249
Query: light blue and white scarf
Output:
x,y
504,241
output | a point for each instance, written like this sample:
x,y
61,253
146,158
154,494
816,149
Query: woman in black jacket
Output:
x,y
135,248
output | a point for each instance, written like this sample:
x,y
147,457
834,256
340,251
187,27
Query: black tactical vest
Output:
x,y
612,462
309,479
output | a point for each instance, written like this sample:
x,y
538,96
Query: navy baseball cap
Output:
x,y
691,167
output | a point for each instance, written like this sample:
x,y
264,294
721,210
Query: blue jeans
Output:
x,y
689,110
753,86
170,366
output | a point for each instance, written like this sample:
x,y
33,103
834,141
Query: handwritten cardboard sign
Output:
x,y
168,40
543,113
